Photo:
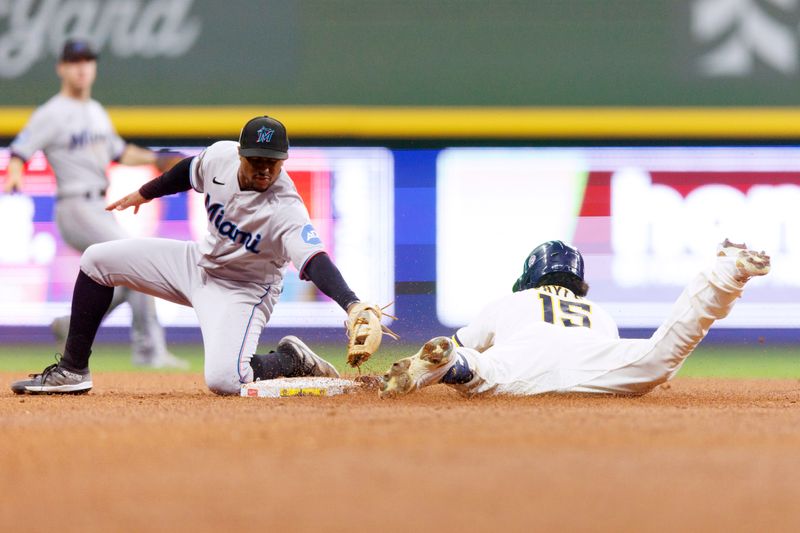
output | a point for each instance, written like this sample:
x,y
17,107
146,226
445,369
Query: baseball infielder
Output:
x,y
257,223
79,141
547,337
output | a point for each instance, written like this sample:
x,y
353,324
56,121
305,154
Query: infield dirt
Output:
x,y
153,452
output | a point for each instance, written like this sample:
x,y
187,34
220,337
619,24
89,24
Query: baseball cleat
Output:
x,y
59,327
749,262
166,360
54,380
424,368
311,363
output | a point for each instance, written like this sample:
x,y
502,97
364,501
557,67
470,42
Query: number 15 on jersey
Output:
x,y
569,313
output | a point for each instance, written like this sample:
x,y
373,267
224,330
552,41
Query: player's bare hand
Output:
x,y
134,199
11,187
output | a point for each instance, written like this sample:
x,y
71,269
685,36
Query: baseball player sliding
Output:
x,y
547,337
79,141
257,223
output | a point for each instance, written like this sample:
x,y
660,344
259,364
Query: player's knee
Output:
x,y
223,385
91,261
90,257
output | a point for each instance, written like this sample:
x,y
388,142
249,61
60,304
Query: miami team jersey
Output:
x,y
520,312
252,235
77,138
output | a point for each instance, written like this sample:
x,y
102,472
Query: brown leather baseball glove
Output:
x,y
365,331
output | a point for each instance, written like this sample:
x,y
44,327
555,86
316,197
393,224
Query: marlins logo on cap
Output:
x,y
265,134
264,137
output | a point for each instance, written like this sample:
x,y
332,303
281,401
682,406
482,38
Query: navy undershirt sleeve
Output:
x,y
172,181
324,274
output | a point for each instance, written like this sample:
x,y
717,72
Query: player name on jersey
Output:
x,y
229,229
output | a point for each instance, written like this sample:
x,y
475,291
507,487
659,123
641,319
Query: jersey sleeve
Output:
x,y
197,171
116,145
300,240
479,334
36,135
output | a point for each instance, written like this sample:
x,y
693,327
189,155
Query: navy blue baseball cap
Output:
x,y
77,50
264,137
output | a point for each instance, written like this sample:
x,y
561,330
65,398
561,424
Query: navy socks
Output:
x,y
90,302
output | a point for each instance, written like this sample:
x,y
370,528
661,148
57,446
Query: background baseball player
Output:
x,y
79,141
546,337
257,223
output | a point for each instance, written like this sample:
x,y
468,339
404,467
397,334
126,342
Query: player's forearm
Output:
x,y
135,155
176,179
14,173
324,274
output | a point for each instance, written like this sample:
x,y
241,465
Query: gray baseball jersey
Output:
x,y
233,276
251,235
78,139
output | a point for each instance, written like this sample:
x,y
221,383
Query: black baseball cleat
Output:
x,y
310,363
54,379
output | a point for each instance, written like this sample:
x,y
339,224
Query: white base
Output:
x,y
307,386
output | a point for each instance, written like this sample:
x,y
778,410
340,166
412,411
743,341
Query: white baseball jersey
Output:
x,y
506,318
547,340
77,138
251,235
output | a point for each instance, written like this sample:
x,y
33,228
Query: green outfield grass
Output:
x,y
707,361
116,357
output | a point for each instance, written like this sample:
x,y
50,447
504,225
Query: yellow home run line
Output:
x,y
451,122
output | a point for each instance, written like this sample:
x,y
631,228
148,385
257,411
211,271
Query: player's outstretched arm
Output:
x,y
363,323
14,172
172,181
163,159
134,199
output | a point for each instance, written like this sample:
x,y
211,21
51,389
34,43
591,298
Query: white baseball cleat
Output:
x,y
311,363
749,262
427,367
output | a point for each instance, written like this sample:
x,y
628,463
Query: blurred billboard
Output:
x,y
348,192
445,231
412,53
646,220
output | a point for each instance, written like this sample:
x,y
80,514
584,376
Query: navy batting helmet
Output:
x,y
552,256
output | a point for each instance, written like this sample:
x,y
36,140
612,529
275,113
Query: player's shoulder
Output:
x,y
285,190
224,149
220,152
52,106
97,106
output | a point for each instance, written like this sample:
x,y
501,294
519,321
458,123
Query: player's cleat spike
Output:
x,y
54,379
311,363
424,368
749,263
